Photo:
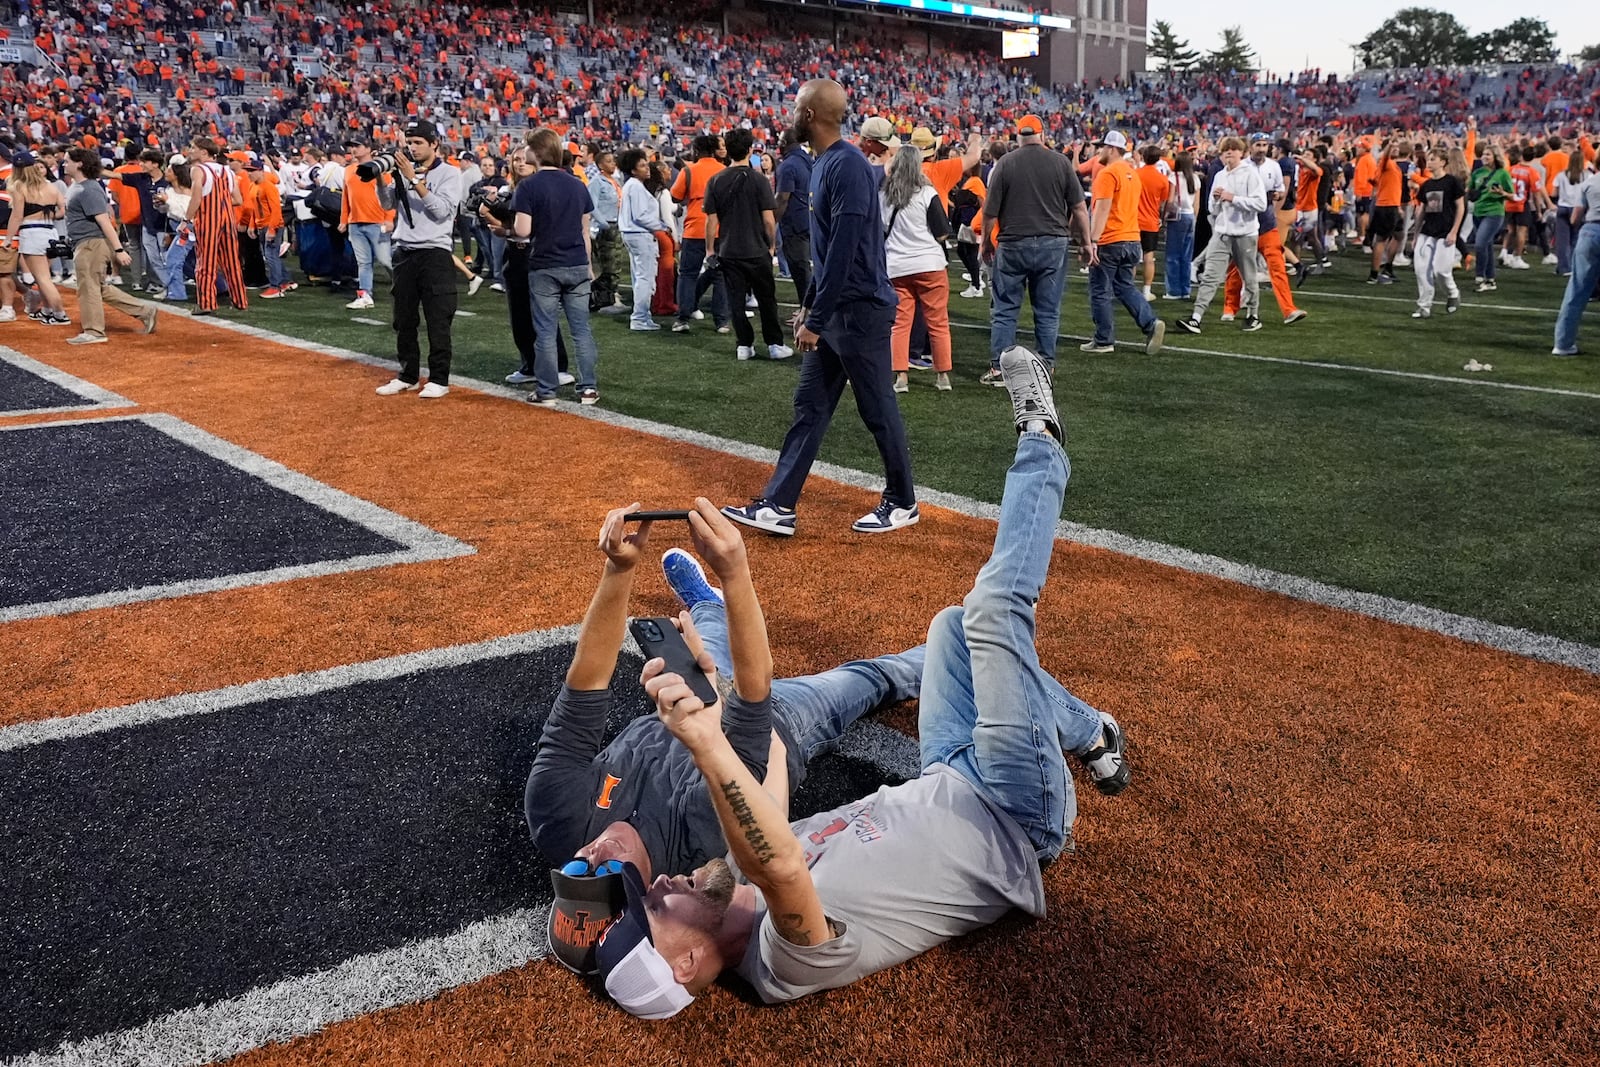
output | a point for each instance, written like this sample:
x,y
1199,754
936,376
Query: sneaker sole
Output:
x,y
757,524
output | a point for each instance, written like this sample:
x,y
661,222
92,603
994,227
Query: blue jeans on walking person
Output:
x,y
1483,234
1565,240
1112,276
155,256
1180,252
561,291
277,273
989,709
1580,287
692,284
370,245
1040,263
812,712
180,260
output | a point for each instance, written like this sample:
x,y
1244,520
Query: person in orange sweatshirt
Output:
x,y
255,268
270,229
367,222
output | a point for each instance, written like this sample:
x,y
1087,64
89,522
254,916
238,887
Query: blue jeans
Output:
x,y
1566,239
1113,276
565,291
989,709
180,257
692,285
277,273
1180,253
155,256
1040,263
496,252
812,712
370,244
1580,287
1483,235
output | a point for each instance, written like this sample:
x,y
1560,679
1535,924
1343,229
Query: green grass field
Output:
x,y
1451,493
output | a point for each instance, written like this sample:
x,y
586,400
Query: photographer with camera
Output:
x,y
424,246
366,218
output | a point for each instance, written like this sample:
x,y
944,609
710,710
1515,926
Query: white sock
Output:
x,y
1035,426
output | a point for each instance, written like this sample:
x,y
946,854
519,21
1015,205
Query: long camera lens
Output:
x,y
382,163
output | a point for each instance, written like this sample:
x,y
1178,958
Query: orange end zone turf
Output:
x,y
1346,842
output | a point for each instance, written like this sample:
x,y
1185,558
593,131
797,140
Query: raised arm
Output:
x,y
718,542
600,639
757,832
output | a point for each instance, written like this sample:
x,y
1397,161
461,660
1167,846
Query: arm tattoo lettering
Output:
x,y
746,819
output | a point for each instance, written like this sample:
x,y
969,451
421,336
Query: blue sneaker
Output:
x,y
921,363
885,517
687,578
763,514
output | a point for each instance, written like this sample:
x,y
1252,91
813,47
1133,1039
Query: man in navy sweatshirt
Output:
x,y
843,329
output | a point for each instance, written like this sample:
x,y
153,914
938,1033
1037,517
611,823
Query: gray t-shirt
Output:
x,y
1590,199
1032,192
899,872
85,200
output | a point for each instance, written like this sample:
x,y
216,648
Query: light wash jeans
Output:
x,y
1180,252
1484,232
989,709
644,255
370,244
1040,263
180,255
1580,287
1112,278
277,273
155,257
812,712
563,291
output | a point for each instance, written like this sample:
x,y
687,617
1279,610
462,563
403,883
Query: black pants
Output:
x,y
797,253
424,285
854,349
252,261
604,292
514,271
753,276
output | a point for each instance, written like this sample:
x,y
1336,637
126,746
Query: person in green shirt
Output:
x,y
1488,189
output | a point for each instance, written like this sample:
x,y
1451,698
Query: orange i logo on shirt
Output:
x,y
604,800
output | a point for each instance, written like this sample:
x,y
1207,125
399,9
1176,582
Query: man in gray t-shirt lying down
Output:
x,y
850,891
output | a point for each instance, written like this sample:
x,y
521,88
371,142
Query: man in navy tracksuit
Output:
x,y
843,329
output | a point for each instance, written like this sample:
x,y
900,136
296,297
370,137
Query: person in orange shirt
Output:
x,y
1114,237
1523,207
1155,189
366,221
1308,175
1362,186
689,189
255,268
945,174
1387,225
270,229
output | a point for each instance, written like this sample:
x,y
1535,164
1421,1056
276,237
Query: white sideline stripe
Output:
x,y
363,320
303,1005
98,399
1489,383
1465,303
419,543
1478,631
295,1007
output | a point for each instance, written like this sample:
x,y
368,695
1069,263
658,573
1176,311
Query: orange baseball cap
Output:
x,y
1030,124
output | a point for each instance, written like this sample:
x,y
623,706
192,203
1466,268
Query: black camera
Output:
x,y
59,248
378,165
499,207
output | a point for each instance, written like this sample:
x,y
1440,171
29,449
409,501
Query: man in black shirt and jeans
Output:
x,y
742,233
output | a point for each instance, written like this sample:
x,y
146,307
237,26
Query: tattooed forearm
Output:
x,y
792,928
764,852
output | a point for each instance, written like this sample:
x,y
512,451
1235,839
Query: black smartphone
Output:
x,y
658,637
659,516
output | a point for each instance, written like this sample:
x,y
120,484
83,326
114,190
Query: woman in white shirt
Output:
x,y
1180,226
639,219
915,228
1569,186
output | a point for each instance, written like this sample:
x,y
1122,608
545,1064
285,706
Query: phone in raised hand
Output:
x,y
660,639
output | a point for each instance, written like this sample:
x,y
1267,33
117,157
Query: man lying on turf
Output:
x,y
640,800
848,892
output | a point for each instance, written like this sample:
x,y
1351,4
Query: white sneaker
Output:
x,y
779,351
1518,263
972,292
751,302
745,352
8,314
87,339
474,285
433,392
1549,260
563,378
697,314
516,377
394,386
1226,317
965,276
1149,294
1402,260
362,301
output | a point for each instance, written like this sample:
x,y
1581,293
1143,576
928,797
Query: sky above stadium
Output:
x,y
1286,39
